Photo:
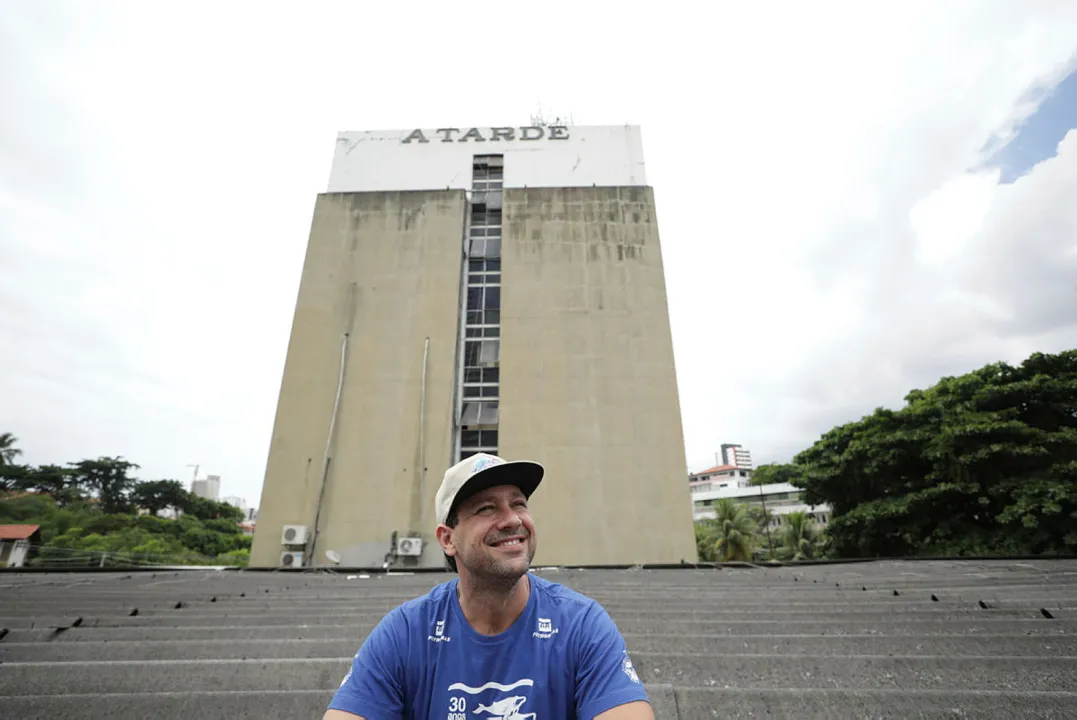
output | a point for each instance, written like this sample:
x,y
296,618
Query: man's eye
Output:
x,y
486,508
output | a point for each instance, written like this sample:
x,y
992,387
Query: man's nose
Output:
x,y
508,518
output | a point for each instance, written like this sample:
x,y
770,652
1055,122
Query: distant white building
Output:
x,y
235,501
208,488
725,482
736,455
721,475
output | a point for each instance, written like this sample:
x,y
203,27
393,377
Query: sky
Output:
x,y
854,199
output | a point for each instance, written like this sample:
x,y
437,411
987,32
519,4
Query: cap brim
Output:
x,y
524,474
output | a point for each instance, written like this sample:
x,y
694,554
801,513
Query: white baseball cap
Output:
x,y
479,472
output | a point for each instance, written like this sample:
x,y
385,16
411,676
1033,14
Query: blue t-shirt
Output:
x,y
562,659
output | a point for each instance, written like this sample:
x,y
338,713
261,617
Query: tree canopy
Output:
x,y
775,473
980,464
89,511
8,451
729,536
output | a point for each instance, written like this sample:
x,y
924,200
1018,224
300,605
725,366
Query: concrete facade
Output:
x,y
587,384
384,268
588,381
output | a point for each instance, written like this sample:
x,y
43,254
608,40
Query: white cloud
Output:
x,y
814,178
947,219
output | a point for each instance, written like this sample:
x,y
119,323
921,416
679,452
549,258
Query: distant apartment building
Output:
x,y
236,502
736,455
208,488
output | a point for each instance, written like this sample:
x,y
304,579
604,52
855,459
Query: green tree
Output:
x,y
765,535
204,509
799,537
55,481
729,536
983,463
82,532
157,495
24,510
776,473
8,451
108,480
704,543
12,477
48,479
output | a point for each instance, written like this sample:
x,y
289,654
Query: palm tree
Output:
x,y
8,451
731,531
799,537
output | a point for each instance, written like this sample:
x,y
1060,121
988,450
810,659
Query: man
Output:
x,y
496,642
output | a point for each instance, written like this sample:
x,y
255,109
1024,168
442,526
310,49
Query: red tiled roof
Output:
x,y
17,532
716,468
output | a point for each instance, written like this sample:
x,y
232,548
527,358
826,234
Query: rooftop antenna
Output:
x,y
538,119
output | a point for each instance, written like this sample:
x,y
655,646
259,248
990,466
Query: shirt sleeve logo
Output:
x,y
626,667
439,633
546,630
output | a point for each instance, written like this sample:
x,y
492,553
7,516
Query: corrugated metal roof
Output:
x,y
877,639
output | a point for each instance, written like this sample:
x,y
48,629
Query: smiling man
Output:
x,y
496,642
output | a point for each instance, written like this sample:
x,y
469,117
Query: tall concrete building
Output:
x,y
479,289
208,488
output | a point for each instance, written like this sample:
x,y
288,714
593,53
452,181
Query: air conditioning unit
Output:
x,y
410,546
291,559
293,535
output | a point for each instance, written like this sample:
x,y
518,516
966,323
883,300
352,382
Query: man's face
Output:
x,y
494,536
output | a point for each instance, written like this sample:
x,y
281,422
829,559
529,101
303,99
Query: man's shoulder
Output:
x,y
419,609
563,597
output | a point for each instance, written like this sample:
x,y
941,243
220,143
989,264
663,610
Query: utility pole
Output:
x,y
766,520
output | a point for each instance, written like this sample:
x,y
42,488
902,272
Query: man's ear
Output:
x,y
444,535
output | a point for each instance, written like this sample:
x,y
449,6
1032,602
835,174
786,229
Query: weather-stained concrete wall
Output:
x,y
588,385
385,268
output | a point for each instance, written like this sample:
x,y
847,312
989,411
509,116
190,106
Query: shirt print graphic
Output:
x,y
505,705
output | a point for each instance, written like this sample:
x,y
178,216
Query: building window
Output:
x,y
481,382
479,414
485,219
490,353
476,441
486,247
484,198
482,353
